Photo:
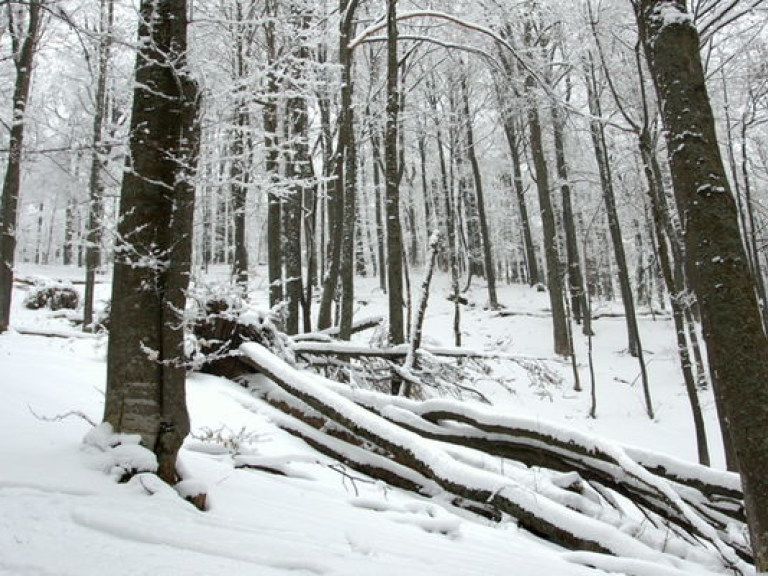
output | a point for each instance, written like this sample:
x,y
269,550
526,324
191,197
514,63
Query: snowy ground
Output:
x,y
61,514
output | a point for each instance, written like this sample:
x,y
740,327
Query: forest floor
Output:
x,y
61,513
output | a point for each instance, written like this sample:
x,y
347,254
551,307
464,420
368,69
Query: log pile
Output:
x,y
579,492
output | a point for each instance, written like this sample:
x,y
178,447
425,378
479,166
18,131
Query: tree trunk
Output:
x,y
514,152
298,173
24,54
336,196
488,267
272,166
296,157
677,297
145,363
392,184
716,260
381,233
310,240
575,277
597,131
95,183
239,175
752,238
452,248
346,173
554,279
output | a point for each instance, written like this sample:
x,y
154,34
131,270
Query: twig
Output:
x,y
62,417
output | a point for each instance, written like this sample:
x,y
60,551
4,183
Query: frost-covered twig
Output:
x,y
60,417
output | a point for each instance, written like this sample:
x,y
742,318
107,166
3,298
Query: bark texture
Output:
x,y
716,261
24,53
95,183
145,370
391,161
554,278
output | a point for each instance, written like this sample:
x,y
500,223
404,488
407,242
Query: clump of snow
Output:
x,y
669,14
191,488
434,239
118,454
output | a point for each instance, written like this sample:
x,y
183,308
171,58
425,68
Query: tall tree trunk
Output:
x,y
240,162
677,298
575,277
69,232
488,267
452,247
145,362
95,183
597,132
554,279
311,213
717,265
514,152
752,238
298,173
347,174
295,173
39,239
272,165
23,56
239,175
337,199
392,182
381,233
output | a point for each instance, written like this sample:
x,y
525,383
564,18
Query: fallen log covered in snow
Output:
x,y
581,493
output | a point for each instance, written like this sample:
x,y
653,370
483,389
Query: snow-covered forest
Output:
x,y
367,287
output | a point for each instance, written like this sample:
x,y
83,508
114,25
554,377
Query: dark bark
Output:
x,y
677,297
24,53
716,259
678,315
452,247
240,167
95,183
381,236
337,198
488,267
514,152
575,277
311,213
272,165
67,250
597,131
554,278
392,184
346,173
145,363
752,238
298,174
239,176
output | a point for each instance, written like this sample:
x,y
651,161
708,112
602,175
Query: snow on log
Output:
x,y
541,503
713,495
360,325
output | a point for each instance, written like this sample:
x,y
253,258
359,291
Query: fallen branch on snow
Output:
x,y
657,525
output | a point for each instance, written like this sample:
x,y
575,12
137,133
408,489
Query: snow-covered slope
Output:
x,y
61,514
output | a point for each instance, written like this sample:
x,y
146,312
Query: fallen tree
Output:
x,y
576,491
